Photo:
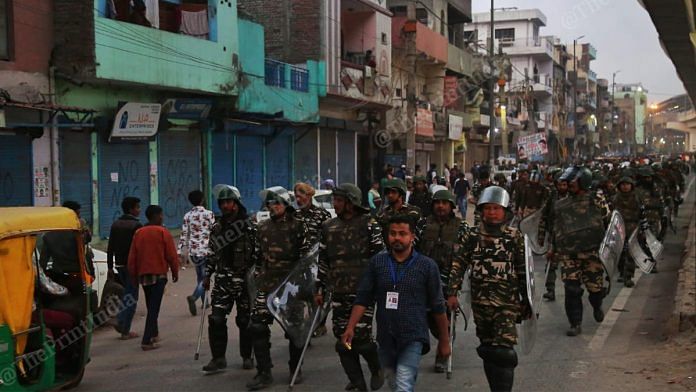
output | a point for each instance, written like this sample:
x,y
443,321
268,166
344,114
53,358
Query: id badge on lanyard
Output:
x,y
392,301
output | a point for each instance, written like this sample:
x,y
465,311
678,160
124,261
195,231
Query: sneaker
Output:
x,y
150,347
376,381
598,314
629,283
550,296
248,363
440,365
262,380
574,330
216,365
191,304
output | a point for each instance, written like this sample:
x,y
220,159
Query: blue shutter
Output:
x,y
76,170
223,161
16,171
346,158
250,170
306,157
278,162
130,162
179,169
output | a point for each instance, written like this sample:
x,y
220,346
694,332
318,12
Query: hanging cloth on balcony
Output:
x,y
195,24
152,12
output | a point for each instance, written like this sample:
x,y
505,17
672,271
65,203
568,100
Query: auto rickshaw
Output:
x,y
46,319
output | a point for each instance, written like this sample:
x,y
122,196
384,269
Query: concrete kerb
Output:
x,y
684,314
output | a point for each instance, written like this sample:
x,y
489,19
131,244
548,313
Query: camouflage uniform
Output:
x,y
554,197
313,217
282,242
652,200
234,250
579,222
422,200
534,196
498,281
630,209
345,249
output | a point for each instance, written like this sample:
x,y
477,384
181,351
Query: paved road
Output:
x,y
635,322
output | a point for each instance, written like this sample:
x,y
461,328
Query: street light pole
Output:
x,y
491,88
575,86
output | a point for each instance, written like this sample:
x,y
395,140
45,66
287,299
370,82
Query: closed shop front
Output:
x,y
76,170
250,173
327,154
179,172
345,140
279,161
222,161
16,170
306,169
123,171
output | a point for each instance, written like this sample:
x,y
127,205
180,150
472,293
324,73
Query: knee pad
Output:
x,y
573,288
504,357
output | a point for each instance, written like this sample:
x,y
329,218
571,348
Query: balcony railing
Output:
x,y
276,72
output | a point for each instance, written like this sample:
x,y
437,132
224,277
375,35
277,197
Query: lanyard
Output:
x,y
392,269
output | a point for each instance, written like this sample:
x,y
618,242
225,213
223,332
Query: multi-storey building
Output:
x,y
585,98
630,114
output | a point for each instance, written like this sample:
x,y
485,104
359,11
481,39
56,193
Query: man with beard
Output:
x,y
282,242
233,249
347,244
420,197
441,242
495,254
578,225
405,286
395,191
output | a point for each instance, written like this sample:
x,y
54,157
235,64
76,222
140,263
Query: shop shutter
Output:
x,y
346,157
179,172
16,171
278,162
250,178
306,157
76,170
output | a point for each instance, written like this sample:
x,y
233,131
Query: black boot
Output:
x,y
246,343
550,295
596,302
262,380
261,339
499,364
369,352
217,338
350,361
573,306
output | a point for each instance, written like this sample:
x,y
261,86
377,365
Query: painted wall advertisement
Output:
x,y
136,121
456,124
531,145
424,123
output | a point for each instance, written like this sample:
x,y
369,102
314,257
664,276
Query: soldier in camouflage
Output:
x,y
234,250
518,186
651,198
495,254
420,197
484,181
559,192
282,242
441,241
531,196
578,223
627,203
313,217
395,191
347,244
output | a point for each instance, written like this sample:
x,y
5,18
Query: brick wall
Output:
x,y
73,53
292,27
30,36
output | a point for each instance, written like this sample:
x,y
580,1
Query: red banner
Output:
x,y
424,123
451,95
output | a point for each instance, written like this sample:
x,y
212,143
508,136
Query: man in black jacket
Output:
x,y
120,238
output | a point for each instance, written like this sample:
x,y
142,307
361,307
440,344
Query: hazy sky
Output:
x,y
622,32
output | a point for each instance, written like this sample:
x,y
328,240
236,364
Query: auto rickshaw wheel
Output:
x,y
75,382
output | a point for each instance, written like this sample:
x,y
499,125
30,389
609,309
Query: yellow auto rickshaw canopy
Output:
x,y
15,221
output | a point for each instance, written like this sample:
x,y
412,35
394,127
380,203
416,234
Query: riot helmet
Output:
x,y
494,195
351,193
396,184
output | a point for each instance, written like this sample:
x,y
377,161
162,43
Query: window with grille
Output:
x,y
505,34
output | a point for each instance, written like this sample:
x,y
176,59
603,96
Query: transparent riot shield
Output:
x,y
527,330
529,226
292,303
612,245
644,254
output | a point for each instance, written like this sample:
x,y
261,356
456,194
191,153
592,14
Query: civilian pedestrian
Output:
x,y
120,238
193,243
374,198
405,286
461,190
152,254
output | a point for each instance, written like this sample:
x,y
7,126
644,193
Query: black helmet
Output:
x,y
352,193
397,184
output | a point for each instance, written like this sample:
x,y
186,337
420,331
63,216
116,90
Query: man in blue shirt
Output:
x,y
405,286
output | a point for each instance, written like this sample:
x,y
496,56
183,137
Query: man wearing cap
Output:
x,y
494,253
441,242
346,246
577,226
395,191
420,197
233,250
283,241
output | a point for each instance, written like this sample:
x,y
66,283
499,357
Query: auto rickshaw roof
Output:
x,y
16,221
